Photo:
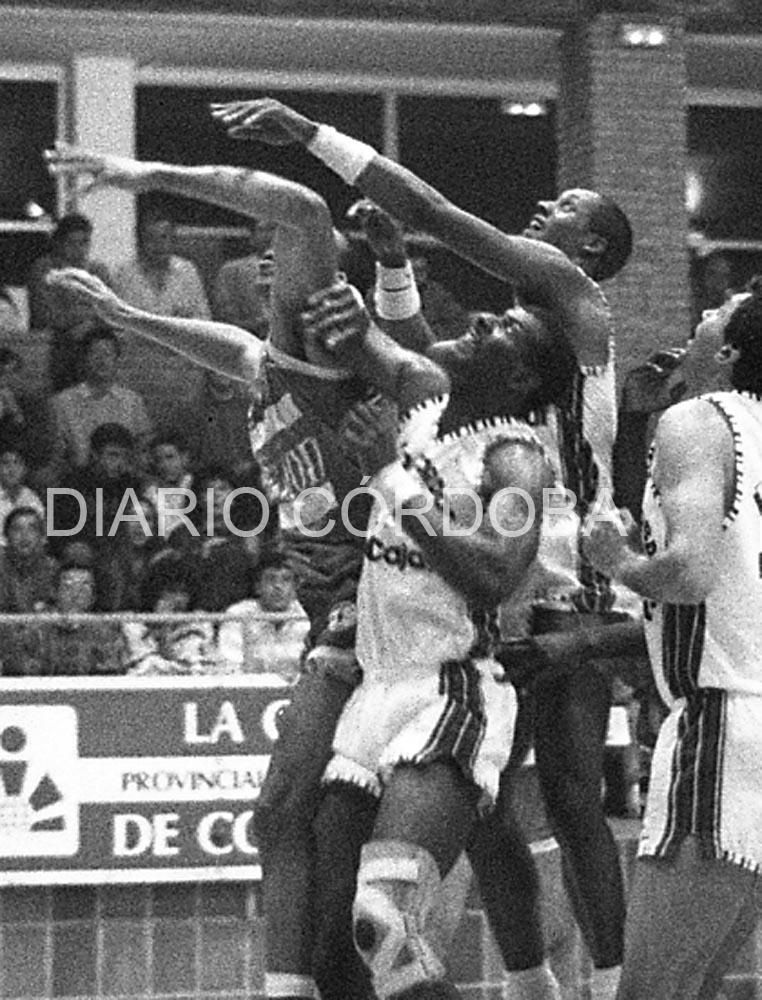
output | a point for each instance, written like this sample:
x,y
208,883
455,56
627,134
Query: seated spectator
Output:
x,y
93,499
170,647
170,476
13,489
98,400
24,417
80,648
241,292
161,282
52,309
217,424
221,558
156,279
123,569
271,636
27,571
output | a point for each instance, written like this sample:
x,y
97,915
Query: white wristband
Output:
x,y
346,156
396,293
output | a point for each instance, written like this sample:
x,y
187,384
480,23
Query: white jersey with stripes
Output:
x,y
706,776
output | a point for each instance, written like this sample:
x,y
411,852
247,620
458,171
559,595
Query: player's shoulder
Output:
x,y
586,318
694,431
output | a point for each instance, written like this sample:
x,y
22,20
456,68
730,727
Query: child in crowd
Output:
x,y
171,475
25,417
80,648
27,571
13,489
110,470
123,568
221,557
270,633
170,646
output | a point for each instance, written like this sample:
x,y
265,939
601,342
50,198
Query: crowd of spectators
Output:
x,y
126,545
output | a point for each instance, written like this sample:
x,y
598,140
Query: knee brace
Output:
x,y
396,892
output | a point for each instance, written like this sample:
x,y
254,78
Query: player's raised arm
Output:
x,y
304,245
546,274
226,349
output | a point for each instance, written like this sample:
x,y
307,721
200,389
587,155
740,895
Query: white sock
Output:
x,y
538,983
604,983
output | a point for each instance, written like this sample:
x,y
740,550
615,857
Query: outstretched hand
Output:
x,y
88,290
383,233
335,322
264,119
95,169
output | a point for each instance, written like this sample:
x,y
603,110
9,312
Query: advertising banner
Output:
x,y
133,779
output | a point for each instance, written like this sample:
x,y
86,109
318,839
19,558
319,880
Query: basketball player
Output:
x,y
570,244
294,430
696,895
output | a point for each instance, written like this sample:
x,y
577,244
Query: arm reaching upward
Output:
x,y
545,274
304,246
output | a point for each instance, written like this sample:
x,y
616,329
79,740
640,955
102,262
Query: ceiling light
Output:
x,y
643,36
529,109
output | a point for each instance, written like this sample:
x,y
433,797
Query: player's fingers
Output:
x,y
340,315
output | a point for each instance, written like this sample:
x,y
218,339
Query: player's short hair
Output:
x,y
609,221
744,332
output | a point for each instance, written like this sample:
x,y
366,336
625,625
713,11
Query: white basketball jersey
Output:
x,y
410,619
718,643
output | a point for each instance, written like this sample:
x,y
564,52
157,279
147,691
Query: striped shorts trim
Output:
x,y
462,714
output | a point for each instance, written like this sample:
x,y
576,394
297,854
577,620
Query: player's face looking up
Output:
x,y
499,358
566,222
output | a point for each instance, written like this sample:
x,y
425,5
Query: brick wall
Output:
x,y
206,942
622,131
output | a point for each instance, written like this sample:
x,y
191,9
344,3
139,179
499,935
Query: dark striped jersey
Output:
x,y
294,436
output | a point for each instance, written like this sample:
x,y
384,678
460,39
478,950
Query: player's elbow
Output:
x,y
695,583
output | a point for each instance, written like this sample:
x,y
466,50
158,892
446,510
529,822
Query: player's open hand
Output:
x,y
383,233
88,290
335,322
264,119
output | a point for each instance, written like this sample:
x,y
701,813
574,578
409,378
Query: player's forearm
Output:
x,y
413,333
254,193
224,348
617,639
676,576
420,207
477,565
402,375
398,303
